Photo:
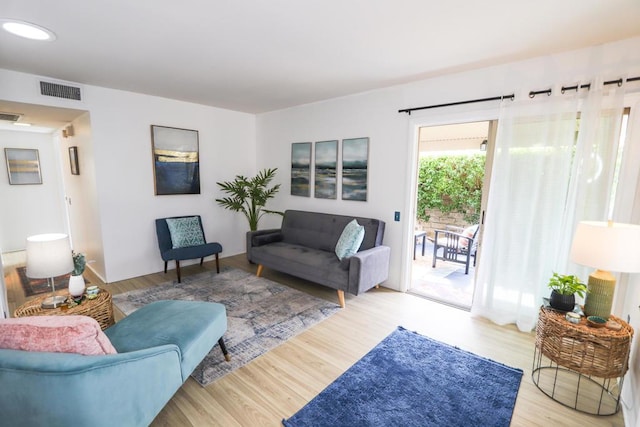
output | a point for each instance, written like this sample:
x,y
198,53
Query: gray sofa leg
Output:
x,y
341,298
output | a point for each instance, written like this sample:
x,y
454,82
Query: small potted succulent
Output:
x,y
76,281
563,291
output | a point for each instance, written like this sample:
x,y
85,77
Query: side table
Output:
x,y
580,366
100,308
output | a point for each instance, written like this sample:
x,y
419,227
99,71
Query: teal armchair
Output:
x,y
158,348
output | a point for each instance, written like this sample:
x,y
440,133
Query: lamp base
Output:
x,y
54,301
599,299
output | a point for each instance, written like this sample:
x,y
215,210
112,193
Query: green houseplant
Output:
x,y
563,291
76,281
250,195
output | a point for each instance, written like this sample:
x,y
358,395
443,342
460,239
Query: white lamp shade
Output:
x,y
609,247
48,255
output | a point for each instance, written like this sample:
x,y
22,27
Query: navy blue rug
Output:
x,y
412,380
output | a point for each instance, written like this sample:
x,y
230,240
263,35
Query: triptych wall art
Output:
x,y
353,171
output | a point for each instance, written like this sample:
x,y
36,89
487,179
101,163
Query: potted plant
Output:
x,y
250,195
563,291
76,281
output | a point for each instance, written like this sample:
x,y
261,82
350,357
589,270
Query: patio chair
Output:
x,y
458,245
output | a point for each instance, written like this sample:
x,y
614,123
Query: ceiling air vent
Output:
x,y
60,91
10,117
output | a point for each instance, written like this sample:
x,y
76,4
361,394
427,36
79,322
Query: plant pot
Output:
x,y
562,302
76,286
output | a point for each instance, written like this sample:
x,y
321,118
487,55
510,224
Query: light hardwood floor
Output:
x,y
279,383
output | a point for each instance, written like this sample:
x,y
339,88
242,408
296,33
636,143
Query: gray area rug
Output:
x,y
261,314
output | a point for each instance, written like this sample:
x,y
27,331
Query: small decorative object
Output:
x,y
250,195
563,290
572,317
613,325
596,321
76,281
92,292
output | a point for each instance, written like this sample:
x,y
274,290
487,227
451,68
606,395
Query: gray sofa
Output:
x,y
304,247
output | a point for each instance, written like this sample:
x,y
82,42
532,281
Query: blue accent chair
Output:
x,y
158,345
168,253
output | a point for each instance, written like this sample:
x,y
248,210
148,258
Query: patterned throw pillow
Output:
x,y
350,240
58,334
185,232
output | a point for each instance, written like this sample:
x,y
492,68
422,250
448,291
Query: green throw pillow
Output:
x,y
185,232
350,240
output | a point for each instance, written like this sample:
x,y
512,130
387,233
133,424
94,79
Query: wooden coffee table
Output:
x,y
100,308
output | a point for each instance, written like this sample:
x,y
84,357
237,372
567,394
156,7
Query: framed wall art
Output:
x,y
176,163
355,163
23,166
301,169
73,160
325,179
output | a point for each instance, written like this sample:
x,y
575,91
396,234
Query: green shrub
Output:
x,y
451,184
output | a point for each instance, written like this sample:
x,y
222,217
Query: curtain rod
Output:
x,y
532,94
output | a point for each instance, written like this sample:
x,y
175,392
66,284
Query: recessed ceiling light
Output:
x,y
27,30
22,124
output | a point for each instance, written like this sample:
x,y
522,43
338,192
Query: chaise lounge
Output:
x,y
157,349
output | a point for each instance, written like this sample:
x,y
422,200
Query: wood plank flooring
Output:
x,y
279,383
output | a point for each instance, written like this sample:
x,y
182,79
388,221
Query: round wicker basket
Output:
x,y
100,308
599,352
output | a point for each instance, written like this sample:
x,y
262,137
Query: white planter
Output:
x,y
76,286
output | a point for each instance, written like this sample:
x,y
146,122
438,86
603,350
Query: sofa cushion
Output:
x,y
185,232
57,334
265,239
350,240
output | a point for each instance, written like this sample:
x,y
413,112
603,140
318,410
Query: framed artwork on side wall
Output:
x,y
301,169
73,160
23,166
176,163
355,164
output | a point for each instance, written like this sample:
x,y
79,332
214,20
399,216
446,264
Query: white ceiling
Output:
x,y
257,56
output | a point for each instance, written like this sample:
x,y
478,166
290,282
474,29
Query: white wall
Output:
x,y
392,135
30,209
124,197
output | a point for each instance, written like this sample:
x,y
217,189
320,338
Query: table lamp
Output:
x,y
48,256
605,246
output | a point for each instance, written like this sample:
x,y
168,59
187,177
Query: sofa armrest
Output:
x,y
61,389
368,268
261,235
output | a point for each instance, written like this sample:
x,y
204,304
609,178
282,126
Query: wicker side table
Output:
x,y
100,308
580,366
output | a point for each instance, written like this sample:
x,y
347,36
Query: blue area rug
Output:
x,y
411,380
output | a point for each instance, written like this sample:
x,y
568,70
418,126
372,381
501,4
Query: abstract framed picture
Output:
x,y
301,169
355,163
73,161
325,178
176,163
23,166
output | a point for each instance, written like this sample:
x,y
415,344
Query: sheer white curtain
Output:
x,y
554,166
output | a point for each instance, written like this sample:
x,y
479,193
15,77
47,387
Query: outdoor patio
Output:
x,y
446,283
